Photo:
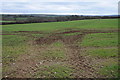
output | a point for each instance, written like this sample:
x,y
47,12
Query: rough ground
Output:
x,y
26,65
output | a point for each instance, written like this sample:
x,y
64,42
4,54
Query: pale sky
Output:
x,y
86,7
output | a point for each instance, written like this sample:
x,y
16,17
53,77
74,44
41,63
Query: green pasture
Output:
x,y
7,21
100,40
102,47
53,26
103,53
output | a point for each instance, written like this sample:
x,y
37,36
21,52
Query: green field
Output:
x,y
53,26
71,49
7,21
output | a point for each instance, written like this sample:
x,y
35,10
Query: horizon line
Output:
x,y
59,13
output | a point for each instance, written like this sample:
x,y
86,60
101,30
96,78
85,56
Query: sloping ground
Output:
x,y
56,55
94,24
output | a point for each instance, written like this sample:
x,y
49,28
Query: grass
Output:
x,y
12,47
103,53
14,40
10,54
55,51
7,21
53,26
54,54
104,47
72,34
109,69
37,35
58,44
55,71
100,40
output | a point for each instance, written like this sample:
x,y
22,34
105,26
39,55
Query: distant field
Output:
x,y
71,49
53,26
7,21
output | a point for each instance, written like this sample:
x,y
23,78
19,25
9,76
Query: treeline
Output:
x,y
22,19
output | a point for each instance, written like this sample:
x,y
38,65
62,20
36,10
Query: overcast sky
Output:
x,y
86,7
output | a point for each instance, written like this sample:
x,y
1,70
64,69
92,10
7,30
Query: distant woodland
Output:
x,y
39,18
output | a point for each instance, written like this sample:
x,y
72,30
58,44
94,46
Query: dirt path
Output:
x,y
79,63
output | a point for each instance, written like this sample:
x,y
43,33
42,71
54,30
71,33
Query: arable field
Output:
x,y
71,49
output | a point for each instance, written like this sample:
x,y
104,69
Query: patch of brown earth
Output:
x,y
75,59
79,62
88,31
31,32
8,34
